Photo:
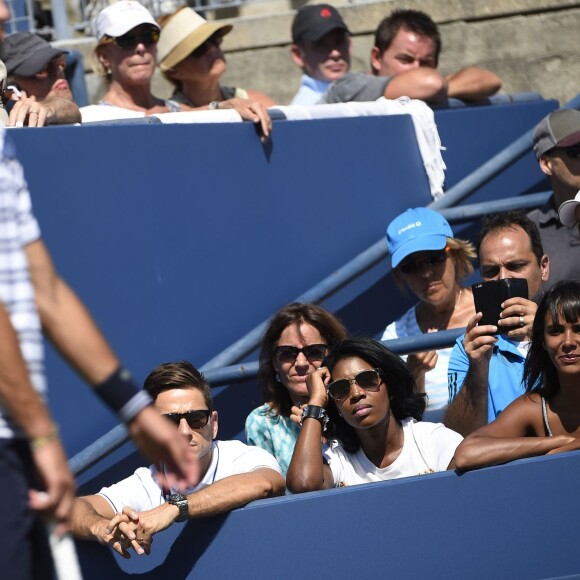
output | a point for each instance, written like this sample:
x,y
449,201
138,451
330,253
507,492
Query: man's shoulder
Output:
x,y
310,91
544,214
238,457
357,86
232,449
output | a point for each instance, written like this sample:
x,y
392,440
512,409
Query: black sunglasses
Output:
x,y
130,41
53,68
312,352
369,380
214,40
412,265
195,419
573,152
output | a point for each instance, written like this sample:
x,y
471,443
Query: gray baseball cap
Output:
x,y
26,54
559,129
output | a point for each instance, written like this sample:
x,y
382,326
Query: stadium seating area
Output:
x,y
194,235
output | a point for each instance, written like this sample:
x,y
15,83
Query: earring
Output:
x,y
277,378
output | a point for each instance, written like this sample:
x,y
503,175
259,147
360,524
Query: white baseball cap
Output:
x,y
567,211
120,17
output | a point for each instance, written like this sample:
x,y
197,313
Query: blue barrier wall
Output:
x,y
182,238
514,521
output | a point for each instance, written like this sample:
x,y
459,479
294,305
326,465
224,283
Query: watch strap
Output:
x,y
315,412
180,502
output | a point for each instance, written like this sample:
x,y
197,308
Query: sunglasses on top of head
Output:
x,y
430,259
368,380
312,352
214,40
131,41
195,419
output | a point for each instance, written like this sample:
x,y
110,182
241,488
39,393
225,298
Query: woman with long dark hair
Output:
x,y
365,402
546,419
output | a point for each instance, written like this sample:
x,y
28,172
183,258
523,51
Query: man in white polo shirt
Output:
x,y
127,514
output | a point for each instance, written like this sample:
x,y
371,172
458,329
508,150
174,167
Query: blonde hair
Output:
x,y
97,66
463,253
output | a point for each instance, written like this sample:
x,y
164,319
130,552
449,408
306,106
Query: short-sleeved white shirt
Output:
x,y
427,447
141,491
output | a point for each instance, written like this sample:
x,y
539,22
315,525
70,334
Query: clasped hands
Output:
x,y
135,530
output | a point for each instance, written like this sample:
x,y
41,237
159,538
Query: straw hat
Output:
x,y
182,34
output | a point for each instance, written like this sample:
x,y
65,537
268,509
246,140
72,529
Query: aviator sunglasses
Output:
x,y
369,380
413,265
195,419
312,352
131,41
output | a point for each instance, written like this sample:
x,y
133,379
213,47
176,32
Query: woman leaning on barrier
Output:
x,y
364,401
126,55
430,262
191,59
546,419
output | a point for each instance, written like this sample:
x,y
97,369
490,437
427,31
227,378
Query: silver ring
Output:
x,y
522,323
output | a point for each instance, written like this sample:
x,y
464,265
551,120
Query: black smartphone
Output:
x,y
489,296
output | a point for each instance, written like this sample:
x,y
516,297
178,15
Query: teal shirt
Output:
x,y
274,433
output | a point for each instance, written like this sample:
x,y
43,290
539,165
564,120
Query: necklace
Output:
x,y
437,328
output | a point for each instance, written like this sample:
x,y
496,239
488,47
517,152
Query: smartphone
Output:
x,y
489,296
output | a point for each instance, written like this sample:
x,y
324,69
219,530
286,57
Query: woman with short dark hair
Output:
x,y
364,400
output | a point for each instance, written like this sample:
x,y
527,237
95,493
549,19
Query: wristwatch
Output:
x,y
180,501
213,106
315,412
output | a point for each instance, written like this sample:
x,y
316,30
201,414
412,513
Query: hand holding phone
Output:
x,y
489,297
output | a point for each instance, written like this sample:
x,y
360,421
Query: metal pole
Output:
x,y
61,26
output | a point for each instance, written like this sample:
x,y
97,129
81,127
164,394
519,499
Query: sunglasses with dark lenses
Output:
x,y
53,69
573,152
195,419
130,41
412,265
290,353
214,40
369,380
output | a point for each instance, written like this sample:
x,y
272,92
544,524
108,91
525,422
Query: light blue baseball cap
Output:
x,y
416,230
